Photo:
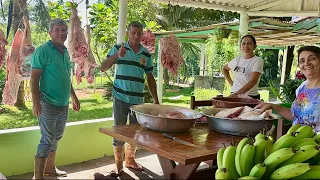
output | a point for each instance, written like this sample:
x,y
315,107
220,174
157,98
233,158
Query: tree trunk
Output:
x,y
289,60
19,8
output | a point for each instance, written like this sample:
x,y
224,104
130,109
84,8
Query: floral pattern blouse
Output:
x,y
306,107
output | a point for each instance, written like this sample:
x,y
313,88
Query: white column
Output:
x,y
160,75
203,60
121,34
244,24
284,64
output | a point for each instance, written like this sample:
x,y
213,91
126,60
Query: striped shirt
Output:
x,y
129,76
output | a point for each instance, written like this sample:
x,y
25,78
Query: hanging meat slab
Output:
x,y
171,57
148,40
18,63
89,62
3,43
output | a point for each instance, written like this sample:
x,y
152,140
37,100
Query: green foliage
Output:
x,y
288,89
39,14
205,94
59,10
219,52
2,82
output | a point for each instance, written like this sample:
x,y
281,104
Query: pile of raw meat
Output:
x,y
173,115
148,40
171,57
79,48
245,113
18,63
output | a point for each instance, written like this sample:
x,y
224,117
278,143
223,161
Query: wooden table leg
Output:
x,y
179,171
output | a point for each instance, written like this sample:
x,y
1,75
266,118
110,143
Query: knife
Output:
x,y
178,140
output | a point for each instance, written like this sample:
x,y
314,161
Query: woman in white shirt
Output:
x,y
247,70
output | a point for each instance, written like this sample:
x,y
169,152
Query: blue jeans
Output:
x,y
120,115
52,122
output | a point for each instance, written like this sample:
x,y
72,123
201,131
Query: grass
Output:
x,y
97,106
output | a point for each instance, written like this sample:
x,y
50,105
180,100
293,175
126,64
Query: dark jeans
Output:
x,y
120,115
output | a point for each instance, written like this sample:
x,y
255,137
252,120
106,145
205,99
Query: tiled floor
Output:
x,y
86,170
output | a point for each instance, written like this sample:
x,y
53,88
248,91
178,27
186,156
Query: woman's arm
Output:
x,y
253,81
282,111
226,73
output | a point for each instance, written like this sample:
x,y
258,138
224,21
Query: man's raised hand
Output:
x,y
122,51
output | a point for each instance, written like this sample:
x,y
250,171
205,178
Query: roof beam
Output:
x,y
283,13
269,5
189,3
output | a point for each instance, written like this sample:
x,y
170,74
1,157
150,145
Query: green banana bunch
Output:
x,y
317,138
269,145
313,173
301,155
293,128
228,161
247,178
276,158
304,142
259,136
304,132
312,134
240,146
260,150
219,157
290,171
246,159
284,141
258,170
222,173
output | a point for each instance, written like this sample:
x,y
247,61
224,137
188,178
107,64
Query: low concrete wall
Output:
x,y
81,142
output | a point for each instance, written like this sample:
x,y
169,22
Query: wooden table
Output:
x,y
168,151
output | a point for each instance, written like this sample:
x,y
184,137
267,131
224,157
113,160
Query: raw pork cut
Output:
x,y
18,63
171,57
89,62
148,40
3,43
245,113
173,115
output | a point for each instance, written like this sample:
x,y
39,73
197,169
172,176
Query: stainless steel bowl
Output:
x,y
148,116
233,126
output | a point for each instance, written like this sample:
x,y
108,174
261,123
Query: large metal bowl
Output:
x,y
226,102
148,116
234,126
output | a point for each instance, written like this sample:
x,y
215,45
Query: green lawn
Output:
x,y
96,106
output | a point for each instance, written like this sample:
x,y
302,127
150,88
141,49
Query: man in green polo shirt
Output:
x,y
51,88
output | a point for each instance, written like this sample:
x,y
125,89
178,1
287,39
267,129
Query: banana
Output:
x,y
258,170
260,150
247,178
303,132
259,136
317,138
246,159
290,171
271,138
313,173
241,144
228,161
220,157
301,155
276,158
284,141
293,128
304,142
268,148
315,160
222,173
312,134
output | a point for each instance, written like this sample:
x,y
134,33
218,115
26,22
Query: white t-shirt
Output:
x,y
242,69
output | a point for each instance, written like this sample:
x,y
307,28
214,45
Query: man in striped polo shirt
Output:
x,y
132,61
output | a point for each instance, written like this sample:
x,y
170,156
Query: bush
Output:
x,y
2,83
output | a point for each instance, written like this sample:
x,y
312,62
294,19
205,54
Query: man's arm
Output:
x,y
35,91
107,64
225,71
152,87
74,99
253,81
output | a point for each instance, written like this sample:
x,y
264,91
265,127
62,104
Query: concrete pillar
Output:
x,y
121,34
160,75
244,24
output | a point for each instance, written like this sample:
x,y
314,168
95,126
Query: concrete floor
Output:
x,y
101,167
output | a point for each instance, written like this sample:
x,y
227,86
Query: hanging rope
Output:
x,y
87,7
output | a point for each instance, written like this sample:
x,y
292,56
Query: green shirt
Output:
x,y
55,83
